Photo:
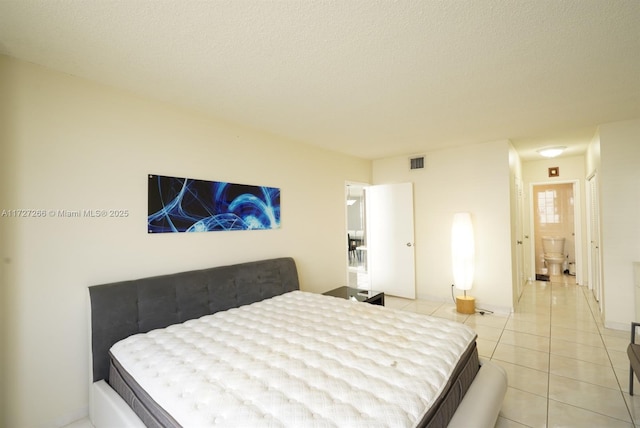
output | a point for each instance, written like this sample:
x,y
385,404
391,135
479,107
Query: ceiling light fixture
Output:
x,y
552,152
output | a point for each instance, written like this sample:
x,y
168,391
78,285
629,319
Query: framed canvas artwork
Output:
x,y
188,205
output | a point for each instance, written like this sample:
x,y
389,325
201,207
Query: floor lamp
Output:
x,y
462,257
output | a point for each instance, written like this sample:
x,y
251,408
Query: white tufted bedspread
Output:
x,y
298,360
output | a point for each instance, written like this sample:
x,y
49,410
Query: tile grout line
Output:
x,y
606,348
568,312
549,355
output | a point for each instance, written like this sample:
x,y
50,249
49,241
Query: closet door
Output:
x,y
594,256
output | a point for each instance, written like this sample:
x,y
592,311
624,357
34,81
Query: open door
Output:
x,y
390,245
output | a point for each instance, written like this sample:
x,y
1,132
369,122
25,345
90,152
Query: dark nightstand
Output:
x,y
367,296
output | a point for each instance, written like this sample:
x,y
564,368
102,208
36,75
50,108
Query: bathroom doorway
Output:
x,y
554,215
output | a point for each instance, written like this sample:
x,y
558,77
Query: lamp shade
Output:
x,y
462,251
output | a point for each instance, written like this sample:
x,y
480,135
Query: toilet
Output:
x,y
553,247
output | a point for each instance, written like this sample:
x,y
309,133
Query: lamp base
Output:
x,y
466,304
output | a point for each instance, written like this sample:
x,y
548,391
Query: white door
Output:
x,y
520,269
595,278
390,246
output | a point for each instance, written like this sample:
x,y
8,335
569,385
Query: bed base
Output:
x,y
108,410
481,404
479,407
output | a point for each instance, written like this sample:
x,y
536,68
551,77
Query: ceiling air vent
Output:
x,y
417,162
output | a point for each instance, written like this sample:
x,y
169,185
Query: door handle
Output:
x,y
408,244
519,242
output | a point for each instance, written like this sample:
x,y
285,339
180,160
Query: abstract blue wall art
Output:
x,y
188,205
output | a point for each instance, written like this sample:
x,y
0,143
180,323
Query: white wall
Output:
x,y
572,168
620,218
72,144
473,178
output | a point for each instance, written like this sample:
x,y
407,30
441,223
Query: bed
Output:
x,y
241,345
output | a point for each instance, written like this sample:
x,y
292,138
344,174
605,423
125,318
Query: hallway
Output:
x,y
564,368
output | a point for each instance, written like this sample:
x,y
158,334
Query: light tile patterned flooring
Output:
x,y
564,368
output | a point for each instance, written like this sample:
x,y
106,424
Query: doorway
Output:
x,y
357,270
380,238
555,215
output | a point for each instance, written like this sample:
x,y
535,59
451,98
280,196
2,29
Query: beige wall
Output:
x,y
72,144
7,173
619,177
473,178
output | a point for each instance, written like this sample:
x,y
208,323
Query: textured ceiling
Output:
x,y
370,78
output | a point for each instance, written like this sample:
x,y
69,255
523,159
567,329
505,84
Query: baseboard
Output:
x,y
70,418
497,310
618,326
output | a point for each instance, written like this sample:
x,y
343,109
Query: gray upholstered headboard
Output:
x,y
121,309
